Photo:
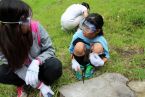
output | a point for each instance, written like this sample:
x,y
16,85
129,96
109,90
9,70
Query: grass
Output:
x,y
124,30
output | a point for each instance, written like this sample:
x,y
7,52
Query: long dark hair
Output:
x,y
15,42
97,20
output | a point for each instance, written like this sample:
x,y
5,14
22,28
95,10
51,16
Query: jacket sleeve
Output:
x,y
21,72
47,51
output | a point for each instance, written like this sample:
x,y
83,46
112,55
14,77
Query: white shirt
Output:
x,y
73,11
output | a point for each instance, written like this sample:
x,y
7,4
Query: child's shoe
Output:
x,y
89,71
21,92
78,74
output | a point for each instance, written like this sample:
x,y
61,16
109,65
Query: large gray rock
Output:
x,y
106,85
138,87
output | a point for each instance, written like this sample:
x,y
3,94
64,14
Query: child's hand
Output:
x,y
75,65
96,60
46,90
32,73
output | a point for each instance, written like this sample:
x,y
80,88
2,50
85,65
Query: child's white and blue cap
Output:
x,y
88,27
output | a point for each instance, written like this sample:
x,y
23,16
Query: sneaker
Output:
x,y
89,71
78,74
49,95
20,92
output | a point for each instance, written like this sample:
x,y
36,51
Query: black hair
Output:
x,y
86,5
97,20
15,42
14,10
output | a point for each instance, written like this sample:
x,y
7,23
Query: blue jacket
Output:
x,y
88,42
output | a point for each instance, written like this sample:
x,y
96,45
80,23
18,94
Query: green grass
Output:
x,y
124,30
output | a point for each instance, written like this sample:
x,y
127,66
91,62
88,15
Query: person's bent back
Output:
x,y
72,16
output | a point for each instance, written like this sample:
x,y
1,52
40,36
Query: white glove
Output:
x,y
75,65
32,73
46,90
96,60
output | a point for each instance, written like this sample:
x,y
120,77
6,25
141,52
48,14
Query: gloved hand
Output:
x,y
32,73
96,60
46,90
75,65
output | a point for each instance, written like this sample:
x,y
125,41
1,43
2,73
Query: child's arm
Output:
x,y
105,59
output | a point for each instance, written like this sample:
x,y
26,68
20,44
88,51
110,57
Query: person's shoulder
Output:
x,y
78,33
102,38
34,25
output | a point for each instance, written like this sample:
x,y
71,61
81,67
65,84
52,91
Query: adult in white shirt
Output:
x,y
72,16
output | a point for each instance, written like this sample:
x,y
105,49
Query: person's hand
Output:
x,y
32,73
45,90
75,65
96,60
